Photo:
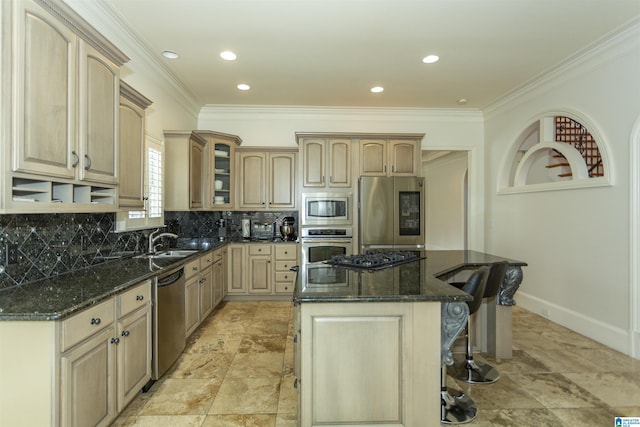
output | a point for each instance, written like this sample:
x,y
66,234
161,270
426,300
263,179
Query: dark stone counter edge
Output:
x,y
164,264
393,298
441,273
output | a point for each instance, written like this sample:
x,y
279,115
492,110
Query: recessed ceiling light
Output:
x,y
169,54
377,89
228,55
462,101
430,59
243,86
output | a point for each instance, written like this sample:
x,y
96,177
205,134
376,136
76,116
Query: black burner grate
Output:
x,y
374,259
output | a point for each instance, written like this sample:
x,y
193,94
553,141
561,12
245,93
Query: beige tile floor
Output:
x,y
237,371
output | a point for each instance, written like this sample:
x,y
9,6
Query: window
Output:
x,y
556,152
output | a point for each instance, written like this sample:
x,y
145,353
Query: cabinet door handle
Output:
x,y
115,340
125,333
95,321
76,159
88,166
139,297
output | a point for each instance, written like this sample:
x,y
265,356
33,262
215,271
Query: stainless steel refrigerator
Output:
x,y
391,212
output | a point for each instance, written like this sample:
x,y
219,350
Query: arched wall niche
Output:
x,y
556,150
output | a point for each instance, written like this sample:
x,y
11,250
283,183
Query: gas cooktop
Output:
x,y
373,260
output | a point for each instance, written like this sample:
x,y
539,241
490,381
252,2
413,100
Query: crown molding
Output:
x,y
337,113
622,41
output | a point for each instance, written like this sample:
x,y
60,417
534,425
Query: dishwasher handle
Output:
x,y
171,278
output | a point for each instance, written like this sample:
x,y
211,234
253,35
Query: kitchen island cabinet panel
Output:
x,y
376,356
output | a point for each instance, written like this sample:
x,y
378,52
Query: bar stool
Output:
x,y
456,407
471,371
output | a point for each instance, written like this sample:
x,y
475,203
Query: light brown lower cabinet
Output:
x,y
364,364
261,268
204,279
81,371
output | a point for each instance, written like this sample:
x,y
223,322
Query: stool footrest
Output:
x,y
474,372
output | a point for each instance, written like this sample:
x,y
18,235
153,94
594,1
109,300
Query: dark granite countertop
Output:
x,y
421,280
64,295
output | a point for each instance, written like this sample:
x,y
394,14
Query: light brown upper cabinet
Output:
x,y
390,157
266,179
220,169
326,162
63,120
99,96
185,170
131,141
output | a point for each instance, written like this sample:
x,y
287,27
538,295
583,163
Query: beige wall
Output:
x,y
575,241
445,197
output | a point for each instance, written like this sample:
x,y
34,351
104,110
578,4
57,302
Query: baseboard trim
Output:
x,y
616,338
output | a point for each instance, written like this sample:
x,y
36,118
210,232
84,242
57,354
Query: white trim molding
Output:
x,y
634,226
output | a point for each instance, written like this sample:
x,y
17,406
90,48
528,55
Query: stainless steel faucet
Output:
x,y
153,238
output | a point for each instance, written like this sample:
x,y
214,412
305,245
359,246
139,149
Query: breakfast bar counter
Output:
x,y
370,341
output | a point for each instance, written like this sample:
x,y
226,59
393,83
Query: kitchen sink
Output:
x,y
175,253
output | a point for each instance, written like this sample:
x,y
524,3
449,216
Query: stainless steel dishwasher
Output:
x,y
168,320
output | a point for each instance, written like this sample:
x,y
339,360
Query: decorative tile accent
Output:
x,y
54,244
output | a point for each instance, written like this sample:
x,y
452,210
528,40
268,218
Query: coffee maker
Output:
x,y
288,229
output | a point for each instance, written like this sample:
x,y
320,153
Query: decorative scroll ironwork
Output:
x,y
510,284
453,320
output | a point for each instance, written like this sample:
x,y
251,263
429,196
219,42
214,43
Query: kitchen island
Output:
x,y
370,343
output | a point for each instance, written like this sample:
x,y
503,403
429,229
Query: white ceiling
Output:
x,y
331,52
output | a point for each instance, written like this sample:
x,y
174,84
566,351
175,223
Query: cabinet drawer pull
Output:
x,y
286,277
115,340
95,321
139,297
125,333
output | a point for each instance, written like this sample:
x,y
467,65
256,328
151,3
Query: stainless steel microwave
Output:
x,y
326,208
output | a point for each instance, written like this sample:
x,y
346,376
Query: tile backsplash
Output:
x,y
47,245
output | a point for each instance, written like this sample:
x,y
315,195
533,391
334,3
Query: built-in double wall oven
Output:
x,y
319,244
326,230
